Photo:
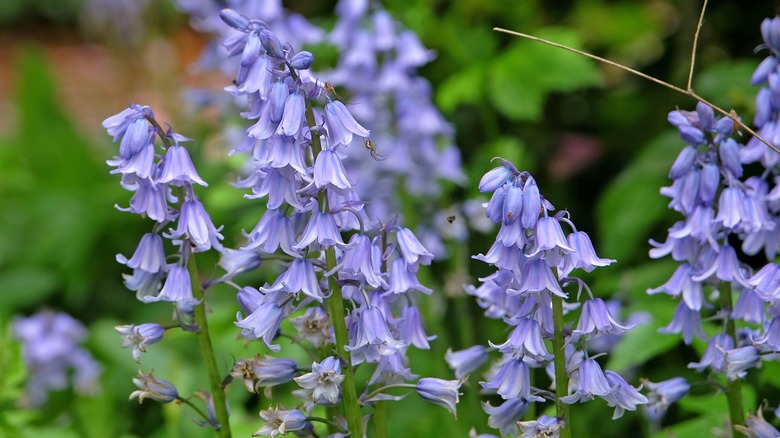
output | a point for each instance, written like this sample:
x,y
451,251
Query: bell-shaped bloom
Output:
x,y
513,204
725,266
177,288
513,380
249,299
543,426
341,125
195,223
682,282
596,320
463,362
361,260
149,255
412,250
236,261
757,427
322,229
274,230
411,329
583,257
118,124
302,60
153,388
626,397
550,241
442,392
494,179
525,340
532,203
139,337
687,322
281,421
299,277
150,200
264,322
537,276
592,383
371,330
178,168
736,362
315,326
293,116
403,278
505,416
324,379
329,171
662,394
271,371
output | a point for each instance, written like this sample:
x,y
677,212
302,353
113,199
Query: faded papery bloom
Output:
x,y
281,421
324,379
139,337
153,388
547,427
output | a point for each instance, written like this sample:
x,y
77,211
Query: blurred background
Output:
x,y
595,138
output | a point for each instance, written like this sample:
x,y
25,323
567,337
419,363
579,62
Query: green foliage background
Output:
x,y
530,103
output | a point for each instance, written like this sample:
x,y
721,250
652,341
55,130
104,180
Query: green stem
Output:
x,y
348,387
204,339
380,419
561,377
349,396
734,388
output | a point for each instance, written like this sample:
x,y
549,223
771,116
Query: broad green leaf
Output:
x,y
643,342
523,75
631,205
466,86
694,428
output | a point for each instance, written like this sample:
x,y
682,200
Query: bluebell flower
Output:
x,y
274,231
341,125
146,285
150,387
302,60
512,380
544,426
713,355
506,416
625,398
178,168
442,392
592,383
771,337
463,362
150,200
264,322
281,422
596,320
412,250
361,261
583,257
329,171
177,288
737,361
757,427
687,322
322,229
249,299
195,223
53,355
149,256
411,329
236,261
525,340
662,394
271,371
403,278
324,380
299,277
392,369
314,326
371,330
139,337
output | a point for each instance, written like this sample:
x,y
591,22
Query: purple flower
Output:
x,y
757,427
177,288
525,340
442,392
324,379
506,416
411,328
413,251
583,257
196,224
465,361
513,380
329,171
362,259
322,228
280,422
178,168
687,322
299,277
302,60
271,371
543,427
372,330
139,337
264,322
596,320
151,387
625,398
341,125
314,326
592,382
149,256
663,394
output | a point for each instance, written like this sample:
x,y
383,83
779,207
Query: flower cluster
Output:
x,y
535,259
52,351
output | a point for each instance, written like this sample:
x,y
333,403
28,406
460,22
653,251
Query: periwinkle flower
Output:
x,y
465,361
299,277
150,387
411,328
324,379
513,380
264,322
302,60
583,257
372,330
714,353
322,229
329,171
737,361
494,179
442,392
236,261
412,250
139,337
525,340
314,326
272,371
361,260
687,322
757,427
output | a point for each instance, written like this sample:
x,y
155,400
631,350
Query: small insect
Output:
x,y
374,153
735,118
329,89
451,218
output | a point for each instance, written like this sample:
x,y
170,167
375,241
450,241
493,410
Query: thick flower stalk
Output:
x,y
316,224
163,180
535,260
723,206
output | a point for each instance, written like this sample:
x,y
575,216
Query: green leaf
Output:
x,y
631,205
521,78
695,428
466,86
643,342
